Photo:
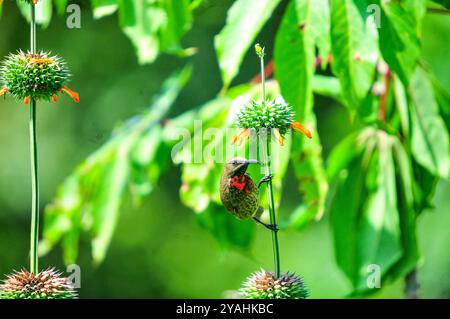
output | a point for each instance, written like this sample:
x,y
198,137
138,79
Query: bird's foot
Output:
x,y
265,179
268,226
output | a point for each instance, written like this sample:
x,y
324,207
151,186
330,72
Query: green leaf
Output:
x,y
401,104
244,21
407,215
141,21
430,140
309,169
43,11
442,98
346,152
103,8
353,44
399,35
365,221
320,25
294,56
328,86
108,200
379,230
444,3
90,199
179,21
61,6
155,26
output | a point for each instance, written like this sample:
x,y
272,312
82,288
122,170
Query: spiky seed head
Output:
x,y
264,285
48,284
268,115
36,76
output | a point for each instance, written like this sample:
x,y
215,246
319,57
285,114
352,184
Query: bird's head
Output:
x,y
238,166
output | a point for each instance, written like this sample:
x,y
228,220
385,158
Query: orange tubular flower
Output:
x,y
241,136
278,136
26,100
4,90
55,98
298,127
72,94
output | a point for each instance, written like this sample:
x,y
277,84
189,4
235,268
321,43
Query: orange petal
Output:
x,y
3,91
73,95
35,1
55,98
41,61
244,135
297,126
278,136
240,136
26,100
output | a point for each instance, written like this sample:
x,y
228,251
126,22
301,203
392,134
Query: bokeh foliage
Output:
x,y
382,177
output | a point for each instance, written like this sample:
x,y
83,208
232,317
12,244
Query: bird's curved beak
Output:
x,y
252,161
242,167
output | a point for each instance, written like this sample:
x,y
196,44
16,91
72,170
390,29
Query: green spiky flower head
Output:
x,y
33,76
268,114
47,284
264,285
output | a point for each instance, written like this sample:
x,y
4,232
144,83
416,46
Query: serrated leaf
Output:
x,y
108,200
179,21
353,44
308,167
399,35
245,19
91,198
320,24
407,215
365,220
429,140
346,152
294,56
154,26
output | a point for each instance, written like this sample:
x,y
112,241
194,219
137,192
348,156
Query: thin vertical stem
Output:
x,y
265,147
34,162
263,79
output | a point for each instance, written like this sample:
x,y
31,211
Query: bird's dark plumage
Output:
x,y
238,192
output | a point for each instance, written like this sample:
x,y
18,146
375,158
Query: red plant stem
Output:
x,y
383,98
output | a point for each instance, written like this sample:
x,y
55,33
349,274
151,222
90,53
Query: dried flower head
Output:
x,y
47,284
35,76
270,115
264,285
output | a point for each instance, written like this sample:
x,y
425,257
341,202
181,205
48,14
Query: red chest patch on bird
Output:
x,y
240,183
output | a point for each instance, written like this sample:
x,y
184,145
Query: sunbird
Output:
x,y
239,193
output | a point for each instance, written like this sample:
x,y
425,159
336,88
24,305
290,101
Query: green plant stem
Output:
x,y
271,202
34,234
265,148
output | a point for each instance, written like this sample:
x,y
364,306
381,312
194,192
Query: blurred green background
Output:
x,y
159,250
